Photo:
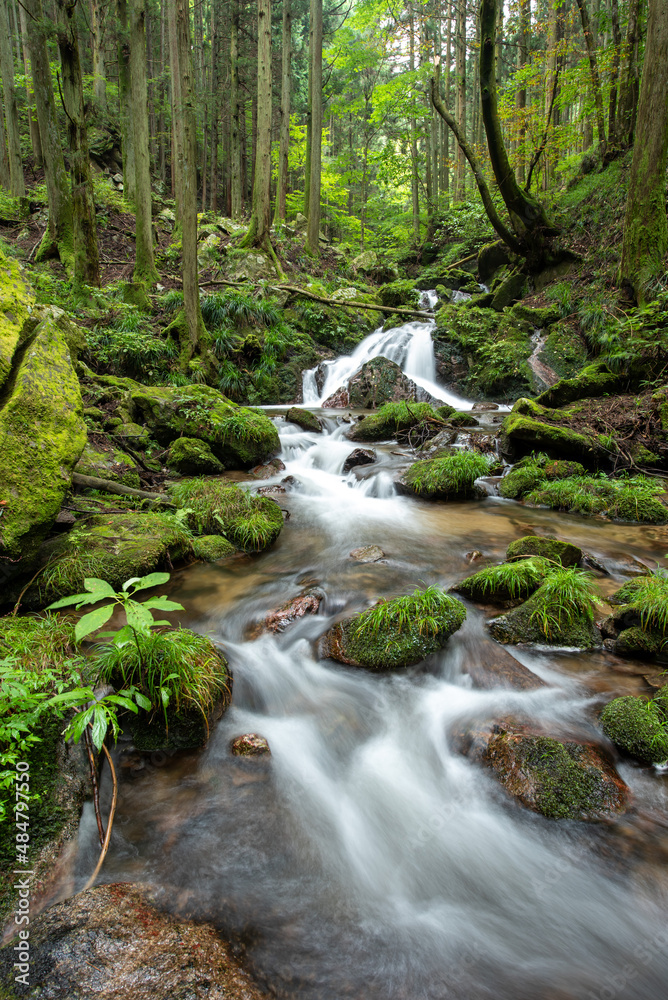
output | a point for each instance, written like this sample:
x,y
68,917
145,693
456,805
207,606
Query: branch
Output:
x,y
539,152
93,483
352,304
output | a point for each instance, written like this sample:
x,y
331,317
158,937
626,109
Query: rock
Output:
x,y
490,258
304,419
495,585
306,603
42,435
301,222
449,478
112,941
270,469
367,554
360,456
403,639
484,407
73,335
558,778
594,380
461,418
114,465
117,178
136,436
250,745
510,290
192,457
268,491
639,643
338,400
382,381
637,727
220,507
536,427
492,667
389,420
521,625
238,436
254,266
399,293
210,548
366,261
548,547
473,556
538,318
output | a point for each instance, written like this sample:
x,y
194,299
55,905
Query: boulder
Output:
x,y
114,465
502,584
365,261
532,426
548,547
192,457
42,435
73,335
399,293
451,477
218,506
389,420
637,727
250,745
493,667
524,625
304,419
238,436
115,941
594,380
253,266
16,302
382,381
490,258
211,548
338,400
360,456
509,291
269,470
133,435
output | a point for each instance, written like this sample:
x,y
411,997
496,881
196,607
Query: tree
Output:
x,y
286,61
315,163
125,98
17,185
645,241
97,18
235,130
145,270
593,66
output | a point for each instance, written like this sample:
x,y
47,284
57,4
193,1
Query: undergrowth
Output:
x,y
564,597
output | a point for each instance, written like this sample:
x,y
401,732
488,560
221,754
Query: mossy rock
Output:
x,y
490,258
399,293
451,477
389,420
509,291
564,349
594,380
523,625
628,592
192,457
660,699
637,727
564,553
528,425
112,547
135,435
210,548
520,481
217,506
113,465
538,317
509,582
42,435
562,469
73,335
460,418
560,779
304,419
639,643
16,302
445,411
355,642
238,436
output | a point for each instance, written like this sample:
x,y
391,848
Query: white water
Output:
x,y
410,346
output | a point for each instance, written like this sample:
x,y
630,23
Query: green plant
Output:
x,y
509,581
633,498
451,475
211,507
650,600
419,611
563,597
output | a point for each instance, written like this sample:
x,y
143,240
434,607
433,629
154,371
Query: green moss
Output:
x,y
462,419
249,522
508,582
559,613
521,481
638,642
538,318
113,465
388,420
527,424
304,419
16,301
509,290
191,457
449,478
210,548
637,727
594,380
399,293
631,499
562,553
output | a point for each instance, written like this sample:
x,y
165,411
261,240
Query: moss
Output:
x,y
636,727
521,481
449,478
389,419
16,301
538,318
523,625
491,257
509,582
36,641
136,436
564,350
527,424
113,465
594,380
461,418
210,548
629,591
191,457
509,290
304,419
635,499
660,699
563,553
398,293
42,435
73,335
636,641
238,436
251,523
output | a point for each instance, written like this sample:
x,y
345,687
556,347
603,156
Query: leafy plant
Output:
x,y
564,596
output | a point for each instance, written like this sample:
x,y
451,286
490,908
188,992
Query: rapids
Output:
x,y
366,859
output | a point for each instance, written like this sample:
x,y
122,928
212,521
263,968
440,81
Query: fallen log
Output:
x,y
92,483
353,304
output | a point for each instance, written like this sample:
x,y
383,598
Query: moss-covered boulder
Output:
x,y
461,418
639,643
399,293
539,317
16,302
192,457
396,633
530,425
509,582
637,727
218,507
389,420
525,625
553,549
490,258
520,481
210,548
42,435
510,290
73,335
112,547
114,465
382,381
238,436
449,478
560,779
304,419
594,380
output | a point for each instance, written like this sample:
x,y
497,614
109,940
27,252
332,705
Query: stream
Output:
x,y
365,858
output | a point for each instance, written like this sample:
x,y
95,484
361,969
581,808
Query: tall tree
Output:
x,y
313,232
35,140
460,96
286,82
415,190
16,185
125,96
97,18
236,206
593,69
59,235
145,270
630,89
645,241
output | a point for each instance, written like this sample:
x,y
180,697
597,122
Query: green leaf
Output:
x,y
142,701
100,588
92,621
152,580
164,696
139,617
65,602
100,726
117,699
163,604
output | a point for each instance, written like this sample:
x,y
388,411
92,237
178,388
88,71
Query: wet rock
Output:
x,y
338,400
637,727
304,419
210,548
249,745
382,381
268,491
112,942
360,456
270,469
561,779
306,603
525,625
508,582
473,556
548,547
452,477
192,457
594,380
494,667
291,483
367,554
484,407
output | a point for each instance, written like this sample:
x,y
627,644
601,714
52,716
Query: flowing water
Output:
x,y
365,858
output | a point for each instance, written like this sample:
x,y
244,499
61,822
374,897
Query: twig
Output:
x,y
112,810
28,584
96,787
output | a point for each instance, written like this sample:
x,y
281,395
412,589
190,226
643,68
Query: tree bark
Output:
x,y
215,107
286,82
460,97
593,68
4,158
16,182
645,241
35,140
125,98
235,127
97,33
415,188
86,253
313,232
145,271
59,236
521,101
628,102
614,74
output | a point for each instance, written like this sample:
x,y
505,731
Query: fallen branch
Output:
x,y
92,483
352,304
112,810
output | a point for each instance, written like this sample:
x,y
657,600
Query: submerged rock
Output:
x,y
548,547
250,745
367,554
270,469
304,419
492,666
360,456
306,603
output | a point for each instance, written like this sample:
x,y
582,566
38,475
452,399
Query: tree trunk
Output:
x,y
215,85
286,63
628,102
446,130
645,240
460,96
16,182
125,98
35,140
313,232
309,109
145,270
99,75
551,57
593,67
614,74
415,189
521,100
86,253
192,333
4,158
235,129
59,236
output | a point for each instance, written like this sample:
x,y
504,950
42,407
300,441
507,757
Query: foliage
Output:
x,y
509,581
633,498
130,346
214,507
452,475
650,600
639,727
565,596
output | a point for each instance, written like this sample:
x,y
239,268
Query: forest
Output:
x,y
334,499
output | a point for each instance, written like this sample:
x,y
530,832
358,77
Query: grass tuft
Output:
x,y
565,596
